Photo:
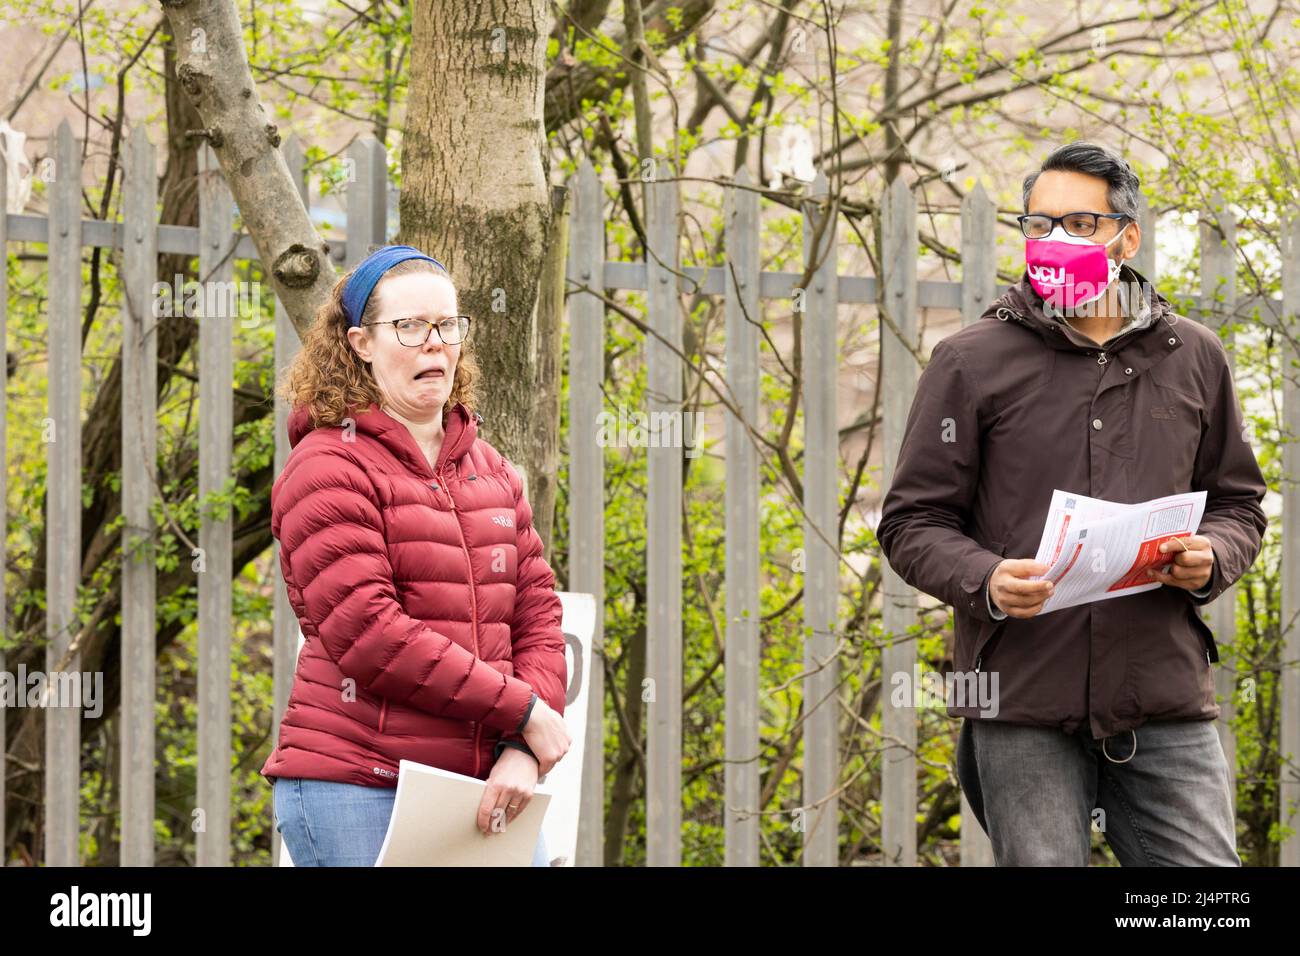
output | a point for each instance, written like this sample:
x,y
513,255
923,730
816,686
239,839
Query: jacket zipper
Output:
x,y
383,711
473,604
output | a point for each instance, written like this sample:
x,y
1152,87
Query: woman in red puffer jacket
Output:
x,y
431,623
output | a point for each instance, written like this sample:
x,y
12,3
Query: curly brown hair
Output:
x,y
334,381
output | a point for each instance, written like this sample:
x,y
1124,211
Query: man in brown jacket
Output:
x,y
1080,377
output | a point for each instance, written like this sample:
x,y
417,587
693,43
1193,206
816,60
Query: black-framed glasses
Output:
x,y
1078,224
414,332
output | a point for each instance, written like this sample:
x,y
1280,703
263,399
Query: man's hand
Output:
x,y
1013,592
547,736
1192,565
509,788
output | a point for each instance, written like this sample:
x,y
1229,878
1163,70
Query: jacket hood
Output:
x,y
1022,304
461,431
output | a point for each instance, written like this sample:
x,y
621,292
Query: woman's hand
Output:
x,y
509,788
547,736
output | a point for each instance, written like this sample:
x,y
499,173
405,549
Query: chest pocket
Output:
x,y
1170,425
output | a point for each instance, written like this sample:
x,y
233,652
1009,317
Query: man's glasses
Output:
x,y
1079,224
415,332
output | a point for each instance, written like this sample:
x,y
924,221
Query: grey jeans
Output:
x,y
1160,794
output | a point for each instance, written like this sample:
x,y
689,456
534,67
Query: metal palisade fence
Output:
x,y
897,294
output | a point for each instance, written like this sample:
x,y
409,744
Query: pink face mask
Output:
x,y
1069,271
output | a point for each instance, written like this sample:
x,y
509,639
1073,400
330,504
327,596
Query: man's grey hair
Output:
x,y
1093,160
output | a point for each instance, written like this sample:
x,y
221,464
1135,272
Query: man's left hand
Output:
x,y
1189,569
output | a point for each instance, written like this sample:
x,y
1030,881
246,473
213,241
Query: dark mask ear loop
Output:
x,y
1126,759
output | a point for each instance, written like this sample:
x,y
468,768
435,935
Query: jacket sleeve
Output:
x,y
335,563
923,519
1226,470
536,637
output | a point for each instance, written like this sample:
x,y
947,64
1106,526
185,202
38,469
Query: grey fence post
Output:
x,y
1289,685
63,511
741,727
367,198
664,532
139,484
821,592
1145,260
216,421
587,485
898,369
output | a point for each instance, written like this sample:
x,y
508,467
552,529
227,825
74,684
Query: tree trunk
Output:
x,y
213,71
475,196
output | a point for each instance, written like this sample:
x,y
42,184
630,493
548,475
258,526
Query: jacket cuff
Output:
x,y
1213,588
517,700
996,613
527,713
974,586
516,744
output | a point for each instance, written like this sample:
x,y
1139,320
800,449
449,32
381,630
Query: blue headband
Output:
x,y
362,282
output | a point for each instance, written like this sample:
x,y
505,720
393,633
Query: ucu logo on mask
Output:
x,y
1047,274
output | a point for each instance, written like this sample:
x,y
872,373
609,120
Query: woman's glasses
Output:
x,y
415,332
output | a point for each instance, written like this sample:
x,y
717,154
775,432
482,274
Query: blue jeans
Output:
x,y
1037,791
326,823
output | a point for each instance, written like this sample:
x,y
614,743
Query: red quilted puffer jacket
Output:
x,y
429,615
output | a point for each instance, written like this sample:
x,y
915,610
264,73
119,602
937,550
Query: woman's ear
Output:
x,y
360,342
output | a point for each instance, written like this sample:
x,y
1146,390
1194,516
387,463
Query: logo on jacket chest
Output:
x,y
1164,412
506,521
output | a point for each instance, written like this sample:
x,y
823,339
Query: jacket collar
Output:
x,y
1139,348
461,431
